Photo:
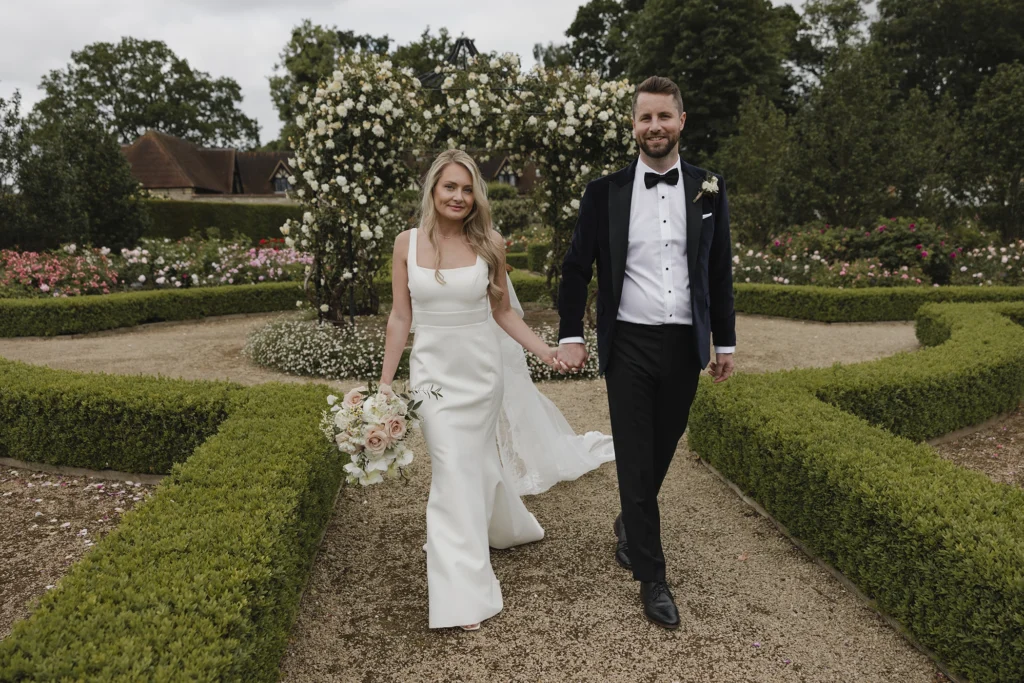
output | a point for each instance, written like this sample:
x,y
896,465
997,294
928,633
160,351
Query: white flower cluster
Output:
x,y
310,348
580,130
349,167
370,425
482,104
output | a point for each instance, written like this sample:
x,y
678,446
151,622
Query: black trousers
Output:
x,y
652,379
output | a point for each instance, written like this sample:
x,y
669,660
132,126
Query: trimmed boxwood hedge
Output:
x,y
203,582
105,422
177,219
81,314
537,257
518,260
835,455
874,304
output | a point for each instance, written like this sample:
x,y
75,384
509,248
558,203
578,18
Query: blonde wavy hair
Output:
x,y
476,227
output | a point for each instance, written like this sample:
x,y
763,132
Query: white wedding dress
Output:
x,y
473,505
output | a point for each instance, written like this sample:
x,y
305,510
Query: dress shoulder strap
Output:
x,y
411,256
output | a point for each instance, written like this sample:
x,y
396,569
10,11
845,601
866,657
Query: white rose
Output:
x,y
341,180
329,144
552,125
307,217
285,230
366,234
378,130
303,98
357,167
324,308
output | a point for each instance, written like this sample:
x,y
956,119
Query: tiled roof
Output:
x,y
161,161
257,170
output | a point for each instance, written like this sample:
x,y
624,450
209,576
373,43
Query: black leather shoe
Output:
x,y
621,547
659,607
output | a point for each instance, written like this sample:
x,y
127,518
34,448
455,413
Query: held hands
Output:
x,y
572,357
550,358
721,368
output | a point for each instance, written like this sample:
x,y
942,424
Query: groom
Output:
x,y
659,232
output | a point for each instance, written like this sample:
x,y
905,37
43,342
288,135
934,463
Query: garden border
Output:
x,y
837,458
204,581
94,313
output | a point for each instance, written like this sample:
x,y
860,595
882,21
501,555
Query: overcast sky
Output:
x,y
242,38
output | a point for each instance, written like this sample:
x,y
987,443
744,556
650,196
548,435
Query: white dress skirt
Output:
x,y
473,505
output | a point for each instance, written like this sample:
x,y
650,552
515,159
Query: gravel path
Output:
x,y
211,348
753,607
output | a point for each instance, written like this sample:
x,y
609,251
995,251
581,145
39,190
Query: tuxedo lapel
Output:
x,y
620,200
694,217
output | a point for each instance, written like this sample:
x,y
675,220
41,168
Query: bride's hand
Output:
x,y
550,358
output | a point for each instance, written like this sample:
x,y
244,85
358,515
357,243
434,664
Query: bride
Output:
x,y
448,278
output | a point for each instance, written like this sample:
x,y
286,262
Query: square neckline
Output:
x,y
413,241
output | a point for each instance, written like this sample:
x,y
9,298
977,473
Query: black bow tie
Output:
x,y
652,179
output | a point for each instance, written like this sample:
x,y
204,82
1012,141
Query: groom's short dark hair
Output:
x,y
659,85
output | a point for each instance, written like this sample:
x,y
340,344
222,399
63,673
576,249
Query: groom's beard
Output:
x,y
658,148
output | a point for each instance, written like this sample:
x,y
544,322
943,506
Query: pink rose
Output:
x,y
354,398
395,426
376,441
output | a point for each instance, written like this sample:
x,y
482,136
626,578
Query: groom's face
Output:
x,y
657,123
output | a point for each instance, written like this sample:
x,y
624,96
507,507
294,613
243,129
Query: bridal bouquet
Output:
x,y
370,425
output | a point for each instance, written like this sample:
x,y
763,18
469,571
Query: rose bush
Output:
x,y
359,125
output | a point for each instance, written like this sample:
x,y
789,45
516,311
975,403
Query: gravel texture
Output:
x,y
754,608
48,522
996,450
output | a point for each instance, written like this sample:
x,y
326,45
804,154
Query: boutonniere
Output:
x,y
709,186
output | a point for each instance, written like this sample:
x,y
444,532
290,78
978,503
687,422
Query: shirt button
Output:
x,y
666,268
664,221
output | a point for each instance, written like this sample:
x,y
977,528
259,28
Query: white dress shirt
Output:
x,y
656,286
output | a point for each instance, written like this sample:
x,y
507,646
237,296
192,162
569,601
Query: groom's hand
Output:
x,y
721,368
573,355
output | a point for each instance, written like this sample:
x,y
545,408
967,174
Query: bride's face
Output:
x,y
453,193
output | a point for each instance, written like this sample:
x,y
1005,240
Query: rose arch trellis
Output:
x,y
370,124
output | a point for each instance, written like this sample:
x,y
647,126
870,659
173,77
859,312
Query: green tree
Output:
x,y
715,50
949,47
77,186
310,55
864,150
13,148
996,150
552,55
758,164
426,53
826,27
137,85
599,35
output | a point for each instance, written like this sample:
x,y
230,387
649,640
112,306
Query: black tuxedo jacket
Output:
x,y
602,235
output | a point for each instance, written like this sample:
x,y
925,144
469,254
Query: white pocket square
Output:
x,y
707,215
